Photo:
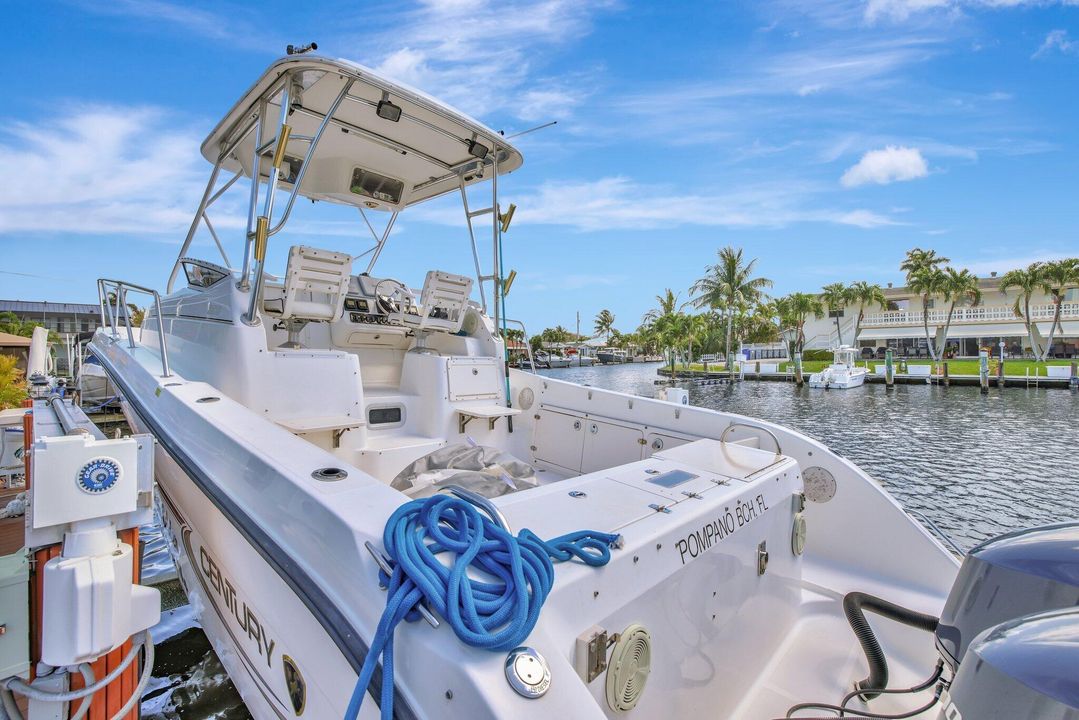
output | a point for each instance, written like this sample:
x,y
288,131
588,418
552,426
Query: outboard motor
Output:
x,y
1022,669
1007,577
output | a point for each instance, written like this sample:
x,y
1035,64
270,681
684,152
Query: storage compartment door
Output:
x,y
609,445
559,439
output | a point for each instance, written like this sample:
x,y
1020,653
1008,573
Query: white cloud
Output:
x,y
901,10
1057,40
100,169
486,56
619,203
1001,265
891,164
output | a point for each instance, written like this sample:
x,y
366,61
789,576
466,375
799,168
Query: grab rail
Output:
x,y
723,437
940,533
481,502
111,316
528,345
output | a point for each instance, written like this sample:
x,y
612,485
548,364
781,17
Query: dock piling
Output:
x,y
889,369
798,369
983,370
946,381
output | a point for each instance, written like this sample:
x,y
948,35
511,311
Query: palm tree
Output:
x,y
729,285
1056,277
865,294
927,281
1029,281
958,287
605,324
667,303
918,259
835,297
794,310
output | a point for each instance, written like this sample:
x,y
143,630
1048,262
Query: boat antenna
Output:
x,y
532,130
301,49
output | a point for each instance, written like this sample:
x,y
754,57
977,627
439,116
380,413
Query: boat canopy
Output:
x,y
385,147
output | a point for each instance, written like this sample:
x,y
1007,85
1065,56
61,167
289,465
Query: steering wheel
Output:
x,y
398,299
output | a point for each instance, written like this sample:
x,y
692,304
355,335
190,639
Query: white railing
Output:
x,y
967,315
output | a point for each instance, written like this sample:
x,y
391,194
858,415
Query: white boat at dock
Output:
x,y
551,550
842,374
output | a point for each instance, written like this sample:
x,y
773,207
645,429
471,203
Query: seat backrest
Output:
x,y
443,301
316,282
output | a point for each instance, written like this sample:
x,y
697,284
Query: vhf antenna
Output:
x,y
301,49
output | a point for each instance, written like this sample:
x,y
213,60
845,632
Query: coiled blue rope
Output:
x,y
495,614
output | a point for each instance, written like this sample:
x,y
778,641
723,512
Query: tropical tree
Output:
x,y
1056,278
728,286
959,287
918,259
666,304
793,312
835,297
12,385
604,323
865,294
1028,281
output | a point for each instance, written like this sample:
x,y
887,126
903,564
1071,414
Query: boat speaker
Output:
x,y
628,668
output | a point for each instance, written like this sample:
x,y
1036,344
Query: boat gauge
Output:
x,y
819,484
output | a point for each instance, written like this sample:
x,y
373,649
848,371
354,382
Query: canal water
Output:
x,y
977,465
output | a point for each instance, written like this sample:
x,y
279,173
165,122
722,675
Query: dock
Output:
x,y
1023,381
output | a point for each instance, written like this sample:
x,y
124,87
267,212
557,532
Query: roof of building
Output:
x,y
9,340
22,307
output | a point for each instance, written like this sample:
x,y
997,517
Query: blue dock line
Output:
x,y
496,615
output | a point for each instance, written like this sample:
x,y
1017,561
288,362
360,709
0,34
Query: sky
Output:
x,y
825,137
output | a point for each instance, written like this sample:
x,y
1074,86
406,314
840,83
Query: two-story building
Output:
x,y
900,325
67,320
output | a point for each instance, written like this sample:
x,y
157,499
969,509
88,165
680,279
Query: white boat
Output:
x,y
842,374
557,360
582,360
298,415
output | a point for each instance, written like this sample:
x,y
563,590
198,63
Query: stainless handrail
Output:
x,y
481,502
528,345
121,288
723,437
938,530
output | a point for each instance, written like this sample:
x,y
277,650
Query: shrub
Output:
x,y
12,387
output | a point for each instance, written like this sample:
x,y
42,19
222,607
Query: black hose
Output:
x,y
854,605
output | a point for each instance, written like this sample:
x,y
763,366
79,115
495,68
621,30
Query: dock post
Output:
x,y
946,381
983,370
758,363
798,369
1074,380
889,369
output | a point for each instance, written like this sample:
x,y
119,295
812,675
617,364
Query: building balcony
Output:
x,y
983,314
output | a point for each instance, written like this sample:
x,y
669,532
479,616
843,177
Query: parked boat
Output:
x,y
842,374
611,356
583,360
557,360
306,421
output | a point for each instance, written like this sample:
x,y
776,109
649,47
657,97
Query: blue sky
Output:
x,y
826,138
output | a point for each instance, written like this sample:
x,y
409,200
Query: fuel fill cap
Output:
x,y
527,672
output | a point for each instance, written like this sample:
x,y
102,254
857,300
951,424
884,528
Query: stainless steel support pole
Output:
x,y
251,317
256,179
195,223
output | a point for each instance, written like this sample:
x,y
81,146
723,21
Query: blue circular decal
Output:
x,y
99,475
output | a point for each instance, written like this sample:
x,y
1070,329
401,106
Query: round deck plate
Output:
x,y
527,672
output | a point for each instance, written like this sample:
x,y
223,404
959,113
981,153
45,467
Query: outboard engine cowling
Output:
x,y
1022,669
1016,574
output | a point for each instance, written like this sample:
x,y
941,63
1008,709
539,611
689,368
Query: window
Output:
x,y
1071,295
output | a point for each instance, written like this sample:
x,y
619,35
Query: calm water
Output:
x,y
978,465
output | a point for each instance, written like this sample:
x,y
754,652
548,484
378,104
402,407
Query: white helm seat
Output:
x,y
443,302
315,284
